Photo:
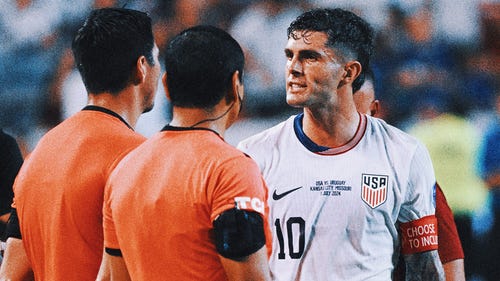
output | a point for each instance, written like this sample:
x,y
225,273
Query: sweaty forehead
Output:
x,y
308,36
305,39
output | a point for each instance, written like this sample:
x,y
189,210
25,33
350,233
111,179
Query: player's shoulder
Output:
x,y
390,133
268,137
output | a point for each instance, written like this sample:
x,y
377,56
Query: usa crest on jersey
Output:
x,y
374,189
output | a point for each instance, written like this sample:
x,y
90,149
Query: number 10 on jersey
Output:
x,y
295,228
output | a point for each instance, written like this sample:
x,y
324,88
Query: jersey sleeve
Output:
x,y
419,198
418,224
240,184
253,152
450,247
110,239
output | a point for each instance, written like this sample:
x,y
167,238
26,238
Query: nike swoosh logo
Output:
x,y
277,196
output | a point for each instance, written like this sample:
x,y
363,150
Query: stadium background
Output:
x,y
432,57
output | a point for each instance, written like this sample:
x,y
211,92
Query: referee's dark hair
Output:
x,y
107,46
199,63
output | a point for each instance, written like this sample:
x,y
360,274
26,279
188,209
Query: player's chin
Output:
x,y
148,102
148,107
294,100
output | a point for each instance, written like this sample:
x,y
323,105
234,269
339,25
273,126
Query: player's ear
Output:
x,y
140,70
165,85
374,107
352,70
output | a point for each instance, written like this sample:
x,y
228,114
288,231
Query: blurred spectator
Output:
x,y
453,146
416,64
490,27
478,81
482,67
457,22
172,16
260,30
370,10
222,13
28,33
489,164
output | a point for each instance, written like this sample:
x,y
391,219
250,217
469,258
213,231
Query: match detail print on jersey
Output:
x,y
419,235
374,189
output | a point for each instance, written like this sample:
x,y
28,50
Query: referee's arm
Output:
x,y
15,263
112,268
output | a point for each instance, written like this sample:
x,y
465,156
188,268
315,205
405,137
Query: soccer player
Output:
x,y
11,162
450,249
345,188
364,98
186,205
59,189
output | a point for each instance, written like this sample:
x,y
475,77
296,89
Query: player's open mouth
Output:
x,y
294,86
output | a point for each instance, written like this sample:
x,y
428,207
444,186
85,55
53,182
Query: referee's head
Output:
x,y
107,46
200,63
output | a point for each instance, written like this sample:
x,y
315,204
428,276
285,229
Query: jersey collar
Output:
x,y
107,111
324,150
169,127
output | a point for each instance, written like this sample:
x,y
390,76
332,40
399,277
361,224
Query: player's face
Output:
x,y
364,98
365,101
313,70
151,86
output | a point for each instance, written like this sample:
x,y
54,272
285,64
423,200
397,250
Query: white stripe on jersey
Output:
x,y
323,227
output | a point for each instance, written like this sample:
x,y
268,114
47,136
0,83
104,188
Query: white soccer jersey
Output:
x,y
334,214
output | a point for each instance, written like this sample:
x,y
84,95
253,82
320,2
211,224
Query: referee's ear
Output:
x,y
238,88
140,71
165,85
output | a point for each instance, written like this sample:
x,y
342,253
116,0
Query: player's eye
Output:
x,y
310,56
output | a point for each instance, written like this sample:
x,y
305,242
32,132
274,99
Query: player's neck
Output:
x,y
330,128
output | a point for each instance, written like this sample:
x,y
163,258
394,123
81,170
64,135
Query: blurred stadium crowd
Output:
x,y
441,53
433,58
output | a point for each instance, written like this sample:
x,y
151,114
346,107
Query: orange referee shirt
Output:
x,y
161,201
59,193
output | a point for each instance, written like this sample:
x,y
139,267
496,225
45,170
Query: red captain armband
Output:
x,y
419,235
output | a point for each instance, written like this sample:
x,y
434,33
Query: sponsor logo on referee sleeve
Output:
x,y
374,189
245,203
